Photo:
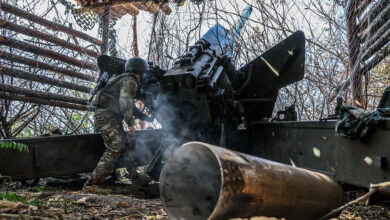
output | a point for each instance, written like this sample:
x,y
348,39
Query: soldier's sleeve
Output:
x,y
126,98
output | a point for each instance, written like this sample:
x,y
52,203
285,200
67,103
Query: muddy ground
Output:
x,y
53,200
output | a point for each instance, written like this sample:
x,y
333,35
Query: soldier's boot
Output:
x,y
95,189
139,181
142,182
92,187
111,179
103,169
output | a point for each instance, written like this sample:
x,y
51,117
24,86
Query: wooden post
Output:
x,y
106,29
368,42
135,40
354,56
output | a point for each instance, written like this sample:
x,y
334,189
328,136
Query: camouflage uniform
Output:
x,y
113,104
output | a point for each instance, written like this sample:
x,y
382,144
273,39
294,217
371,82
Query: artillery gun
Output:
x,y
204,98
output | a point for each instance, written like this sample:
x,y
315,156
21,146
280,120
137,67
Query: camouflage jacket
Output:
x,y
118,96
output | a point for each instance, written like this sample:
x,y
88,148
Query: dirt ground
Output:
x,y
66,201
118,201
360,212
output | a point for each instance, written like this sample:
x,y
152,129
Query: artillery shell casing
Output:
x,y
201,181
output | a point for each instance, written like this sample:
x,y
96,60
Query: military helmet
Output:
x,y
136,65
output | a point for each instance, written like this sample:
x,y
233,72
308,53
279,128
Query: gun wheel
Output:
x,y
30,182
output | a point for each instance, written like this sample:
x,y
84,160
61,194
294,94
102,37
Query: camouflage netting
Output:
x,y
356,122
86,20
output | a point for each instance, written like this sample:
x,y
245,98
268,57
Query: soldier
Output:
x,y
114,103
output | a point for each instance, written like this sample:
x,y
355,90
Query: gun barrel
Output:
x,y
244,17
219,38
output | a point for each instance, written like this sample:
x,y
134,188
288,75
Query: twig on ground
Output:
x,y
373,189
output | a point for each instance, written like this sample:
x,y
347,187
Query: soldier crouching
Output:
x,y
113,104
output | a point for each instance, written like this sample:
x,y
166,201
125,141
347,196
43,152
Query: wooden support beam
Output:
x,y
113,3
51,25
47,37
141,6
148,6
374,11
55,103
131,8
106,29
46,53
369,28
37,64
354,52
372,48
374,36
99,8
135,38
363,6
42,79
40,95
152,7
131,5
379,56
367,67
166,9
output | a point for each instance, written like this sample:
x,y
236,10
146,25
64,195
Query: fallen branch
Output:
x,y
373,189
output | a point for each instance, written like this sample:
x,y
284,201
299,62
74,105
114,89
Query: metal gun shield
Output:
x,y
281,65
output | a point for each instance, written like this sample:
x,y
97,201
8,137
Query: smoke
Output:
x,y
175,117
183,118
185,115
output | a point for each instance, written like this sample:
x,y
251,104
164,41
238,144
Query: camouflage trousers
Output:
x,y
115,140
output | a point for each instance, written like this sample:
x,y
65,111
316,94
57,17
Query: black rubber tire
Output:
x,y
30,182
